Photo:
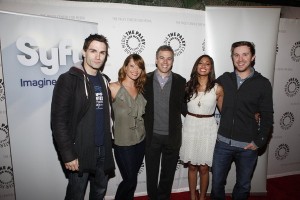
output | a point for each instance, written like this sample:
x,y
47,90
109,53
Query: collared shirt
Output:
x,y
162,80
239,80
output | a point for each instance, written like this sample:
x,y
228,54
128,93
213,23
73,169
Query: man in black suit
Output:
x,y
164,92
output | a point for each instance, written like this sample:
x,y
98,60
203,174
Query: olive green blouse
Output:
x,y
129,126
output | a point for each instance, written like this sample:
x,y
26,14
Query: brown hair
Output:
x,y
139,61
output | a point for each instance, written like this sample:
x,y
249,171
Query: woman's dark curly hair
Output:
x,y
193,84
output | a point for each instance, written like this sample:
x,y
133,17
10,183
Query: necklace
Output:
x,y
200,89
199,102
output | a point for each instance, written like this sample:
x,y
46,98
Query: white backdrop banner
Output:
x,y
284,147
129,29
225,25
35,51
7,189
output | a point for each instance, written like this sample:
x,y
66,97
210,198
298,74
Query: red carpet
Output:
x,y
283,188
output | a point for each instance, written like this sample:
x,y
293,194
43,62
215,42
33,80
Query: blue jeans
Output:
x,y
98,181
129,160
245,161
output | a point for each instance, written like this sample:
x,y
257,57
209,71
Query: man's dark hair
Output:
x,y
96,37
99,38
244,43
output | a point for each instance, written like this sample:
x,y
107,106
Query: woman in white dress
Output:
x,y
200,127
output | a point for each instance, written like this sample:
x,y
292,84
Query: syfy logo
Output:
x,y
51,59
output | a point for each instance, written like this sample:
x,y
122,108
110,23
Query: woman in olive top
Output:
x,y
129,131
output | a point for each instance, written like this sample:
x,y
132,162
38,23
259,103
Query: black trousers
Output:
x,y
160,157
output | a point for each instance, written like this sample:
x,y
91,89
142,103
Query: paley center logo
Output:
x,y
287,120
49,59
6,177
176,41
2,93
133,42
291,88
282,151
203,45
4,137
295,52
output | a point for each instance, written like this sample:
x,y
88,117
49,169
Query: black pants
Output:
x,y
160,156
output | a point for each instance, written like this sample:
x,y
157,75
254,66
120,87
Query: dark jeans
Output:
x,y
245,161
129,160
160,155
98,181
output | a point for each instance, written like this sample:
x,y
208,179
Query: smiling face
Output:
x,y
133,71
94,57
242,59
164,62
204,66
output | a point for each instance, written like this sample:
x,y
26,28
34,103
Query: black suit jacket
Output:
x,y
177,106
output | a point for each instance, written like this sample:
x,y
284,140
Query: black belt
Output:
x,y
199,116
